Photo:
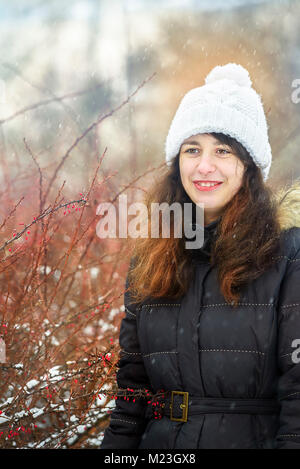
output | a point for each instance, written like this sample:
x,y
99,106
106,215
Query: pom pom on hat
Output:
x,y
230,71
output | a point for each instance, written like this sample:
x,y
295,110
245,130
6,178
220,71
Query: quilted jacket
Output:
x,y
203,346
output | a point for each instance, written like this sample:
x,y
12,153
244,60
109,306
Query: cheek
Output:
x,y
239,168
237,176
237,172
184,171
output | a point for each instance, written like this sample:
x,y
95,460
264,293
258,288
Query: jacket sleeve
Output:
x,y
288,435
128,421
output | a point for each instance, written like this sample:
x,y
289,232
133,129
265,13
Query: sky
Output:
x,y
31,9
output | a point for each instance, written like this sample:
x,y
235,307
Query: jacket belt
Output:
x,y
179,405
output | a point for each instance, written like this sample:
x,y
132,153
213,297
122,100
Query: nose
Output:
x,y
205,164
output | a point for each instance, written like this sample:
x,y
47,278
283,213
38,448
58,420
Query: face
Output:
x,y
203,159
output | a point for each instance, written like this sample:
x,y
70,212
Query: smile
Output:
x,y
207,186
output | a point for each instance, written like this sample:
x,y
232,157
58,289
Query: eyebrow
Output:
x,y
194,142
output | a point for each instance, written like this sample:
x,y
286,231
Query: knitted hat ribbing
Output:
x,y
227,104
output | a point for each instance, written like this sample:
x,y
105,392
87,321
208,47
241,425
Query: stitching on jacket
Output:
x,y
130,312
200,350
288,258
244,304
288,434
228,350
131,353
156,353
293,393
216,304
172,304
126,421
289,306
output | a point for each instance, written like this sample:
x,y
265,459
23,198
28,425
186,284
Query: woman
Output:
x,y
214,332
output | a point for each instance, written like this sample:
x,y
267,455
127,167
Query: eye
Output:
x,y
188,150
223,149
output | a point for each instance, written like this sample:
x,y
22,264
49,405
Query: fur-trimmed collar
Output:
x,y
288,199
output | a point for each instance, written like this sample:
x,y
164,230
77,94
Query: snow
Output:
x,y
94,272
3,418
57,274
36,412
104,325
112,313
88,330
55,374
31,384
72,439
42,268
54,341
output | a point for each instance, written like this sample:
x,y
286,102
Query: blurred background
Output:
x,y
81,80
102,50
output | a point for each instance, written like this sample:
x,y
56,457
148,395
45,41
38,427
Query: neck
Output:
x,y
207,223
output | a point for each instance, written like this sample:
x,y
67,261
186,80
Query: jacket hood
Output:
x,y
288,211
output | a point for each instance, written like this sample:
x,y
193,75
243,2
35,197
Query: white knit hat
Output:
x,y
227,104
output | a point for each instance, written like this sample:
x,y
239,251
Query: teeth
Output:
x,y
207,184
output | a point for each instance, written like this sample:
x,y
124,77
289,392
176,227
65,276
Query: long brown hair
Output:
x,y
246,244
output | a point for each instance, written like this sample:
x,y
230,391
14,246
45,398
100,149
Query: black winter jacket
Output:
x,y
236,360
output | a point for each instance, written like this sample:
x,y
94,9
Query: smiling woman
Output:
x,y
243,211
210,333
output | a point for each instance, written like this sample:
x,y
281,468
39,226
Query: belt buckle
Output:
x,y
183,406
